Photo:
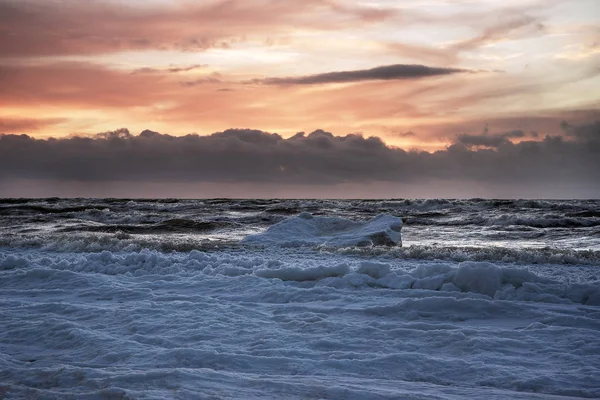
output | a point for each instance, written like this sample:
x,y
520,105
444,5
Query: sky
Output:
x,y
420,98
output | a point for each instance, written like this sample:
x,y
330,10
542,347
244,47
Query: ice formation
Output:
x,y
306,229
153,299
291,323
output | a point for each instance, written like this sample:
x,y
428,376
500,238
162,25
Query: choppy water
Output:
x,y
107,298
526,230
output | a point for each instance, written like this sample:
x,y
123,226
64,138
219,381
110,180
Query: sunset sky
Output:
x,y
419,74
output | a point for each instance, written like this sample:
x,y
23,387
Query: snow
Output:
x,y
308,230
292,323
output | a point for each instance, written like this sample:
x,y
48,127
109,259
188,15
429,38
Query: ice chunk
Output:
x,y
480,277
395,280
303,274
449,287
12,262
429,270
373,269
308,230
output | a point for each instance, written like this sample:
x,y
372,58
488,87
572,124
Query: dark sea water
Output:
x,y
525,230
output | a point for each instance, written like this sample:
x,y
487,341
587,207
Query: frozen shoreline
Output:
x,y
293,323
153,300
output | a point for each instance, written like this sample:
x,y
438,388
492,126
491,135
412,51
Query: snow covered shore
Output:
x,y
293,323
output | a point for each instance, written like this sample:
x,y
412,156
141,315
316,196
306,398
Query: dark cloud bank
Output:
x,y
319,159
386,72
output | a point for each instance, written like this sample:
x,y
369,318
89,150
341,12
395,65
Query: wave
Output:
x,y
178,225
82,242
40,209
92,225
549,221
584,220
585,214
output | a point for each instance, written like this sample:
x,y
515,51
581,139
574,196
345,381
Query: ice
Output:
x,y
303,274
291,323
479,277
376,270
11,262
147,299
306,229
395,280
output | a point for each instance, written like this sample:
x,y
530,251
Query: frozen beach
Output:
x,y
299,299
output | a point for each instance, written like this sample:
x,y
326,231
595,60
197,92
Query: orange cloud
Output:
x,y
88,98
177,105
26,125
70,27
79,85
510,25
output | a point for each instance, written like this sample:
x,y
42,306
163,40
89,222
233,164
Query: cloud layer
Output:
x,y
251,156
71,27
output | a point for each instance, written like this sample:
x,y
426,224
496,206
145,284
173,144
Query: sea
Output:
x,y
299,299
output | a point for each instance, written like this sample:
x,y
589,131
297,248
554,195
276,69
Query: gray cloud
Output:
x,y
243,156
490,140
387,72
589,132
172,70
215,77
399,133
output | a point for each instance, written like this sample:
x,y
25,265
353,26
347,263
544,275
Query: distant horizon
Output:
x,y
305,198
